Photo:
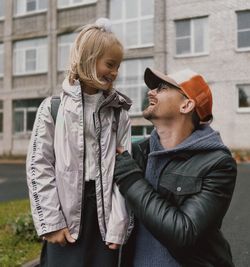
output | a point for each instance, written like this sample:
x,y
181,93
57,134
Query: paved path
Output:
x,y
12,181
237,221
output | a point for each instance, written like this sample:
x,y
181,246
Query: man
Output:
x,y
182,179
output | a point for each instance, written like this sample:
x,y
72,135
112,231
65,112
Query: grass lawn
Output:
x,y
14,249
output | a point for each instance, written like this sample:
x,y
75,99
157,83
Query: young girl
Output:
x,y
76,208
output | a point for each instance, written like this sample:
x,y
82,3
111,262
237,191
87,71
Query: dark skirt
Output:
x,y
89,250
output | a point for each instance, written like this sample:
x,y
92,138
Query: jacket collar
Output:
x,y
112,98
145,149
115,99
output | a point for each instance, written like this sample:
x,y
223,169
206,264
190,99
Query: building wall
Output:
x,y
30,25
49,24
223,67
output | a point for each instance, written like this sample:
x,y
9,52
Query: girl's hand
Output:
x,y
113,246
60,237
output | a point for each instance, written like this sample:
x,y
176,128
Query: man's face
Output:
x,y
164,103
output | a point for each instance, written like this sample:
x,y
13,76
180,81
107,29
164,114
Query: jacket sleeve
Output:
x,y
180,226
40,172
119,224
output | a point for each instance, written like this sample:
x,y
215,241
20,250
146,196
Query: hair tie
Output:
x,y
104,24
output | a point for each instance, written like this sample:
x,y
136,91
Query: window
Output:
x,y
140,132
30,56
1,116
130,81
22,7
192,36
243,19
243,92
1,60
133,21
28,6
64,44
1,9
24,114
68,3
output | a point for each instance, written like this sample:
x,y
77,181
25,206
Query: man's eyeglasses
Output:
x,y
164,86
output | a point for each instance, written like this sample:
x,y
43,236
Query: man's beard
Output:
x,y
148,113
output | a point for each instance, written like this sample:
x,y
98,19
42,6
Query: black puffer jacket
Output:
x,y
185,213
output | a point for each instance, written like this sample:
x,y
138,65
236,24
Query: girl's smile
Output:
x,y
107,66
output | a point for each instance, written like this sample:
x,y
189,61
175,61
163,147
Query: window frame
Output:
x,y
71,4
25,111
1,112
64,44
2,16
26,12
238,108
2,55
192,38
31,60
139,19
122,85
241,49
29,2
14,126
23,50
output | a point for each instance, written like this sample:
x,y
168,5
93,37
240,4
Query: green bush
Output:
x,y
18,241
23,227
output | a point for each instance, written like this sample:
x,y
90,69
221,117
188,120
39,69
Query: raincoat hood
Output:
x,y
115,98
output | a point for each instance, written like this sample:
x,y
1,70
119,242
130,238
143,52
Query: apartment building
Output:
x,y
210,37
213,38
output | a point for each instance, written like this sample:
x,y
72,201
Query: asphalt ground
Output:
x,y
13,181
236,222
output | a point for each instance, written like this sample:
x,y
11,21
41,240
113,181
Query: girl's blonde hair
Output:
x,y
89,45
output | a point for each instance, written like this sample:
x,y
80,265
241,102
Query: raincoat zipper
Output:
x,y
83,173
100,161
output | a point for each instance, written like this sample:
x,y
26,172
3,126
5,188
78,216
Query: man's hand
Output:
x,y
126,171
60,237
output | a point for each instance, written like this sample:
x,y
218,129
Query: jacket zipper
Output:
x,y
83,176
100,162
100,167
